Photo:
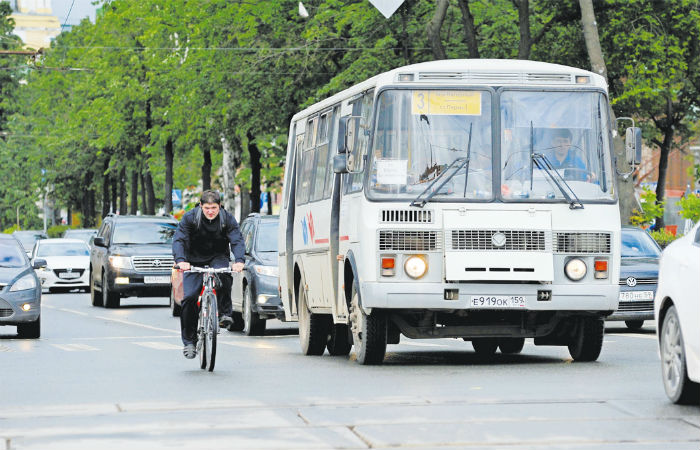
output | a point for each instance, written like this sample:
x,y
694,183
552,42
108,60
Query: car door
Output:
x,y
237,286
98,255
691,315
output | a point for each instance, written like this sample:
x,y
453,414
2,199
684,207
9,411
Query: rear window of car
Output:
x,y
144,233
11,255
639,244
63,249
266,240
27,240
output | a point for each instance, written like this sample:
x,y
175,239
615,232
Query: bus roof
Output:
x,y
482,72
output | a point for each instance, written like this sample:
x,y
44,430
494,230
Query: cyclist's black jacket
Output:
x,y
199,240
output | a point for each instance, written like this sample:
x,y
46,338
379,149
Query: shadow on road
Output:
x,y
459,358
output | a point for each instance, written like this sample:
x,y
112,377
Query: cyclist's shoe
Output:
x,y
189,351
225,321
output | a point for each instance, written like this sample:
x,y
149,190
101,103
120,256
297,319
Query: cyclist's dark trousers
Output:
x,y
192,283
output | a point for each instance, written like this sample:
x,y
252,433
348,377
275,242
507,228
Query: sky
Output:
x,y
81,9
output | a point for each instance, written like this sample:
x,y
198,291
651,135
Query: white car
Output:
x,y
677,312
67,263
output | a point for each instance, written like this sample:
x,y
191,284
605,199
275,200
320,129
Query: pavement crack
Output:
x,y
359,436
119,408
301,416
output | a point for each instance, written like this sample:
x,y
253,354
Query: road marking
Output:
x,y
137,324
641,336
5,349
248,344
423,344
76,347
158,345
73,311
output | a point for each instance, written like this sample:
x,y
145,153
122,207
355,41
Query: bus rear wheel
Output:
x,y
368,332
339,342
588,340
313,328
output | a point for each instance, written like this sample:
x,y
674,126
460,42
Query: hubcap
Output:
x,y
672,354
246,309
355,318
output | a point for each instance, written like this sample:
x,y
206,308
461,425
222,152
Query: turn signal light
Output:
x,y
387,263
388,266
601,268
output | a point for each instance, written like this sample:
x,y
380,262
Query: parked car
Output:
x,y
84,234
639,273
67,263
28,238
20,291
677,312
254,292
131,256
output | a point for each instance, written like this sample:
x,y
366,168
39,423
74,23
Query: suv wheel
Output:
x,y
253,325
95,296
110,299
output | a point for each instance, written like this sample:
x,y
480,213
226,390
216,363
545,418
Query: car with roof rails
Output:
x,y
84,234
20,290
131,256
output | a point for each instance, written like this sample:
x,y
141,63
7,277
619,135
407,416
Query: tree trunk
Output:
x,y
625,185
469,29
255,167
433,29
123,208
69,215
229,172
169,176
150,193
524,26
269,202
134,192
144,203
105,190
114,207
89,215
245,203
665,150
206,170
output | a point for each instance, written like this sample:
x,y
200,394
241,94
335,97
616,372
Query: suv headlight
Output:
x,y
270,271
24,283
120,262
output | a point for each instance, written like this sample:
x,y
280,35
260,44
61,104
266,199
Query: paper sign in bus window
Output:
x,y
392,171
455,103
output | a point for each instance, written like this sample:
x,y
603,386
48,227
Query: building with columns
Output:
x,y
35,23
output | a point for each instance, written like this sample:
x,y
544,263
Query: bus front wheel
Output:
x,y
368,332
588,340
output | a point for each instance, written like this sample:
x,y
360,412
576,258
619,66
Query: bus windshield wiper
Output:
x,y
543,163
456,165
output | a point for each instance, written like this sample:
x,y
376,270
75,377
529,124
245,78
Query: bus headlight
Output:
x,y
575,269
415,266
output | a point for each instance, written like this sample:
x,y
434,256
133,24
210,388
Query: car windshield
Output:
x,y
266,240
555,135
27,240
84,235
63,249
144,233
639,244
11,255
423,134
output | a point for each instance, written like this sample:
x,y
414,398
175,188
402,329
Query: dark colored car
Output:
x,y
28,238
84,234
639,275
20,290
254,291
131,256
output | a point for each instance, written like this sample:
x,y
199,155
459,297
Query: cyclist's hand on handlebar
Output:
x,y
184,265
237,267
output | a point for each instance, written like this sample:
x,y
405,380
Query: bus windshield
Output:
x,y
563,133
420,133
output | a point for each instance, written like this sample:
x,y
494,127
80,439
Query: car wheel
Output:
x,y
339,343
95,296
110,299
30,330
511,346
634,324
485,346
368,331
588,341
253,325
674,370
175,309
313,328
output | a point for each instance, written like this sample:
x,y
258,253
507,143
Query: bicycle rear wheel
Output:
x,y
211,330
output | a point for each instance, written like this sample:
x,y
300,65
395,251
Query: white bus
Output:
x,y
471,199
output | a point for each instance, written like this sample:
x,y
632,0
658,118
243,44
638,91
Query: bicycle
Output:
x,y
208,323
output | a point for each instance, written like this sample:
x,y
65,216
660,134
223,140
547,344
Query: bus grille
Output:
x,y
407,216
516,240
153,263
408,240
581,242
623,281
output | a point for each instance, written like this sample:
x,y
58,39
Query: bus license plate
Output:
x,y
157,280
632,296
497,301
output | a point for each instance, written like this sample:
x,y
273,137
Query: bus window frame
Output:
x,y
361,175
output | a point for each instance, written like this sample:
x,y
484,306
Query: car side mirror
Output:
x,y
99,242
39,263
633,146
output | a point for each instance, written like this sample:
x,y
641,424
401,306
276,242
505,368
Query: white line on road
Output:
x,y
641,336
248,344
76,347
137,324
422,344
73,311
5,349
158,345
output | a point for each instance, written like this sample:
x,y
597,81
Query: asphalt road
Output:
x,y
116,379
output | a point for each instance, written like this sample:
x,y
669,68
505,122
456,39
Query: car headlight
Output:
x,y
270,271
575,269
120,262
415,266
24,283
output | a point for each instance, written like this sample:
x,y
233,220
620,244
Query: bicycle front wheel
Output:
x,y
211,330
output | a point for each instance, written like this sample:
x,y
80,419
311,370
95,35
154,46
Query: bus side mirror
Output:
x,y
633,145
347,133
340,163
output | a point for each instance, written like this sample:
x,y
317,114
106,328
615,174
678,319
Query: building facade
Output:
x,y
35,23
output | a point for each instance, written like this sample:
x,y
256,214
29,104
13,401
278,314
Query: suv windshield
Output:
x,y
420,133
143,232
11,255
63,249
266,240
567,130
638,244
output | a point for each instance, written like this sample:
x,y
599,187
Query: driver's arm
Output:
x,y
235,238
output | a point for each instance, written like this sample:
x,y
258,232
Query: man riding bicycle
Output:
x,y
202,239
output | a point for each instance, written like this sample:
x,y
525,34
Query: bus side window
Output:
x,y
305,176
361,107
333,140
295,164
319,176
